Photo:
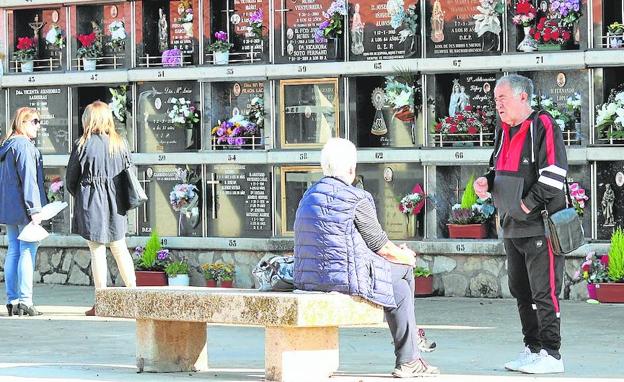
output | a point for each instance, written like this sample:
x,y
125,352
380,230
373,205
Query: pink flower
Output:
x,y
574,187
604,259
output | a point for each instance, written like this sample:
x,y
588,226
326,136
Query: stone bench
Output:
x,y
301,329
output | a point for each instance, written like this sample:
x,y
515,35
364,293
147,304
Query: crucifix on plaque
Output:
x,y
36,26
144,183
283,10
227,12
213,189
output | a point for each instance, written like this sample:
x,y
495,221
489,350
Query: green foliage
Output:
x,y
422,272
177,268
218,271
469,197
616,256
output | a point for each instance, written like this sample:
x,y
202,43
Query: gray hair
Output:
x,y
518,84
337,157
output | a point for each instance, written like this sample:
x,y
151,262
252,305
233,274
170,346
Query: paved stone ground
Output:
x,y
475,337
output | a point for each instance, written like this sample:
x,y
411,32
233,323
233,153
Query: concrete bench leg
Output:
x,y
170,346
300,354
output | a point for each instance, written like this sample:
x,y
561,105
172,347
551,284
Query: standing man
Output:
x,y
527,174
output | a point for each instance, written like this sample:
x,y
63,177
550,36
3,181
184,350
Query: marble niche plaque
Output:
x,y
309,112
158,213
238,201
451,30
293,183
156,130
182,30
558,87
374,37
233,17
51,103
295,23
609,198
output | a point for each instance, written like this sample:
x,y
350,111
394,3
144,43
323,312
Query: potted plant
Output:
x,y
25,53
593,271
488,24
150,262
468,219
615,35
90,50
211,274
550,35
423,282
227,275
613,291
411,205
524,14
330,29
609,116
220,48
177,273
256,20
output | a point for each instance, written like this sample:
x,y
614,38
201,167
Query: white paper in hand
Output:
x,y
50,210
32,233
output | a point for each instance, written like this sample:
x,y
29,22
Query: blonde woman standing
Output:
x,y
97,158
21,198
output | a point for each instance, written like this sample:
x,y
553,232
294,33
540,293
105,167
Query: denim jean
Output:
x,y
19,266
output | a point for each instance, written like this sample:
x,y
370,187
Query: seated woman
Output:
x,y
340,246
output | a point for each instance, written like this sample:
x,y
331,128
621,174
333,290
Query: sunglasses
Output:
x,y
35,121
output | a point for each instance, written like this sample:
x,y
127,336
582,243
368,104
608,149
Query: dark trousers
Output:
x,y
402,320
535,276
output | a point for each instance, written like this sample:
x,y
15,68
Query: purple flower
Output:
x,y
231,140
221,36
256,17
220,131
324,24
318,36
236,131
172,57
239,141
163,254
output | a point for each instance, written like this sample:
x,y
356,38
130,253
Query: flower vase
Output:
x,y
221,58
591,291
615,41
528,44
410,46
411,226
27,66
89,64
334,48
576,33
179,280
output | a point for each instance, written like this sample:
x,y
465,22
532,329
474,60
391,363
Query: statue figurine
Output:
x,y
163,31
464,99
608,198
357,32
455,99
437,22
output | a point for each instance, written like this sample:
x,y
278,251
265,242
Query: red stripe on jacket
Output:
x,y
550,139
511,150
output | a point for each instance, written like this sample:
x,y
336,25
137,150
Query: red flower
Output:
x,y
448,120
566,35
460,117
438,127
87,39
604,259
555,35
472,130
537,36
453,130
524,7
468,108
25,43
585,267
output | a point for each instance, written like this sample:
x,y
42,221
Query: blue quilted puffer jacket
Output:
x,y
330,253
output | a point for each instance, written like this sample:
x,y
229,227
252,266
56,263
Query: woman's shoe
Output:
x,y
25,310
90,312
12,309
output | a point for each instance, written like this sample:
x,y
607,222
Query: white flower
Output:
x,y
620,118
456,206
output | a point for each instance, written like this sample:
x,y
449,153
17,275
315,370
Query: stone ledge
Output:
x,y
237,306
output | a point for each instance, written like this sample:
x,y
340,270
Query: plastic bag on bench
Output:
x,y
275,274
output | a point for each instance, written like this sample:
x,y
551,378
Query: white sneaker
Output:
x,y
524,358
543,364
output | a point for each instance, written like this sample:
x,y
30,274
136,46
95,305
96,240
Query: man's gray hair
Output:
x,y
518,84
337,157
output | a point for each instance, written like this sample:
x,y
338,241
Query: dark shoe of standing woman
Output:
x,y
90,312
12,309
25,310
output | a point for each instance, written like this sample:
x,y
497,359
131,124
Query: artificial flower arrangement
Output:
x,y
413,203
119,102
573,106
548,31
56,190
234,131
544,102
255,23
117,30
524,14
488,18
579,198
220,43
256,113
55,37
467,124
182,112
182,196
593,270
90,48
187,11
568,11
152,257
401,17
610,115
171,58
471,210
332,25
403,93
25,49
615,35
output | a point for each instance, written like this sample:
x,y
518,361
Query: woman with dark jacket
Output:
x,y
21,198
97,158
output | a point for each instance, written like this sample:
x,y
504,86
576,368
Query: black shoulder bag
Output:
x,y
564,227
129,192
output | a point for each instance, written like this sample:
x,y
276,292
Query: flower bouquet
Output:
x,y
90,47
332,25
573,106
255,23
183,196
610,115
593,270
234,131
403,93
562,119
118,103
488,21
568,11
578,196
549,34
467,125
171,58
55,37
524,13
256,113
182,112
401,17
56,190
118,35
